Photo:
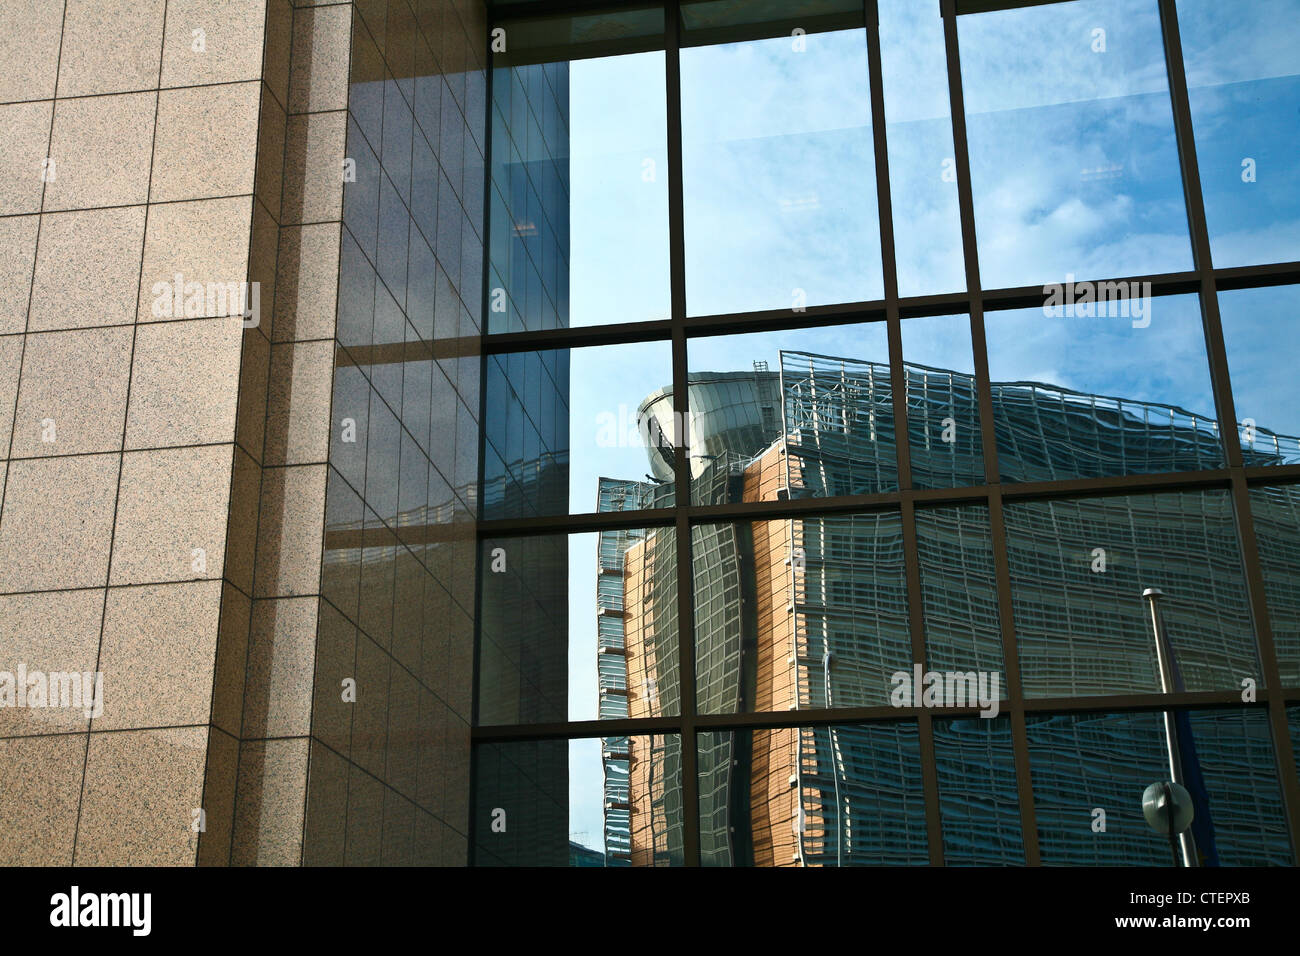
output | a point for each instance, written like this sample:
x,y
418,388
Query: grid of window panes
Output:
x,y
905,439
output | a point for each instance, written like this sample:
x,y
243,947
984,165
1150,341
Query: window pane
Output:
x,y
959,591
609,801
557,422
943,421
1074,166
779,177
922,166
1078,572
1276,513
1089,396
1261,336
579,211
812,796
978,802
1103,762
805,412
799,613
1243,81
578,627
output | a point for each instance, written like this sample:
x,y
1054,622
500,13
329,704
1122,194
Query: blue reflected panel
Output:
x,y
528,203
806,613
1276,513
1243,79
1089,773
618,161
557,422
1079,568
804,413
579,193
778,178
922,166
1086,392
812,796
1074,165
943,420
578,627
959,593
603,801
1261,337
977,792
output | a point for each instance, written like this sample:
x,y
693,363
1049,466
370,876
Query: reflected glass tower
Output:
x,y
811,613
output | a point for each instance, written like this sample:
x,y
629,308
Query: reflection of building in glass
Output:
x,y
635,636
810,613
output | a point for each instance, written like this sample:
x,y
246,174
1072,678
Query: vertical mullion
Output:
x,y
988,435
1227,416
681,450
902,439
483,359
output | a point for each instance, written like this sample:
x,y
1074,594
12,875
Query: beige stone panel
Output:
x,y
173,501
322,40
72,396
232,658
50,631
241,532
307,281
261,264
57,523
250,422
141,793
184,383
270,803
279,42
11,353
158,653
38,803
205,241
313,168
18,236
29,49
291,531
206,142
270,153
22,150
281,662
110,46
298,403
100,147
218,799
88,270
229,48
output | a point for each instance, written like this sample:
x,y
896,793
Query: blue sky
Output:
x,y
1074,171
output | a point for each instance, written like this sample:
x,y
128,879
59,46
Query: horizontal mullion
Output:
x,y
576,524
1250,277
882,501
1018,297
821,717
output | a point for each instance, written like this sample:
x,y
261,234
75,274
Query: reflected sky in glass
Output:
x,y
618,168
1074,167
1243,79
779,179
1262,338
922,170
1079,396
